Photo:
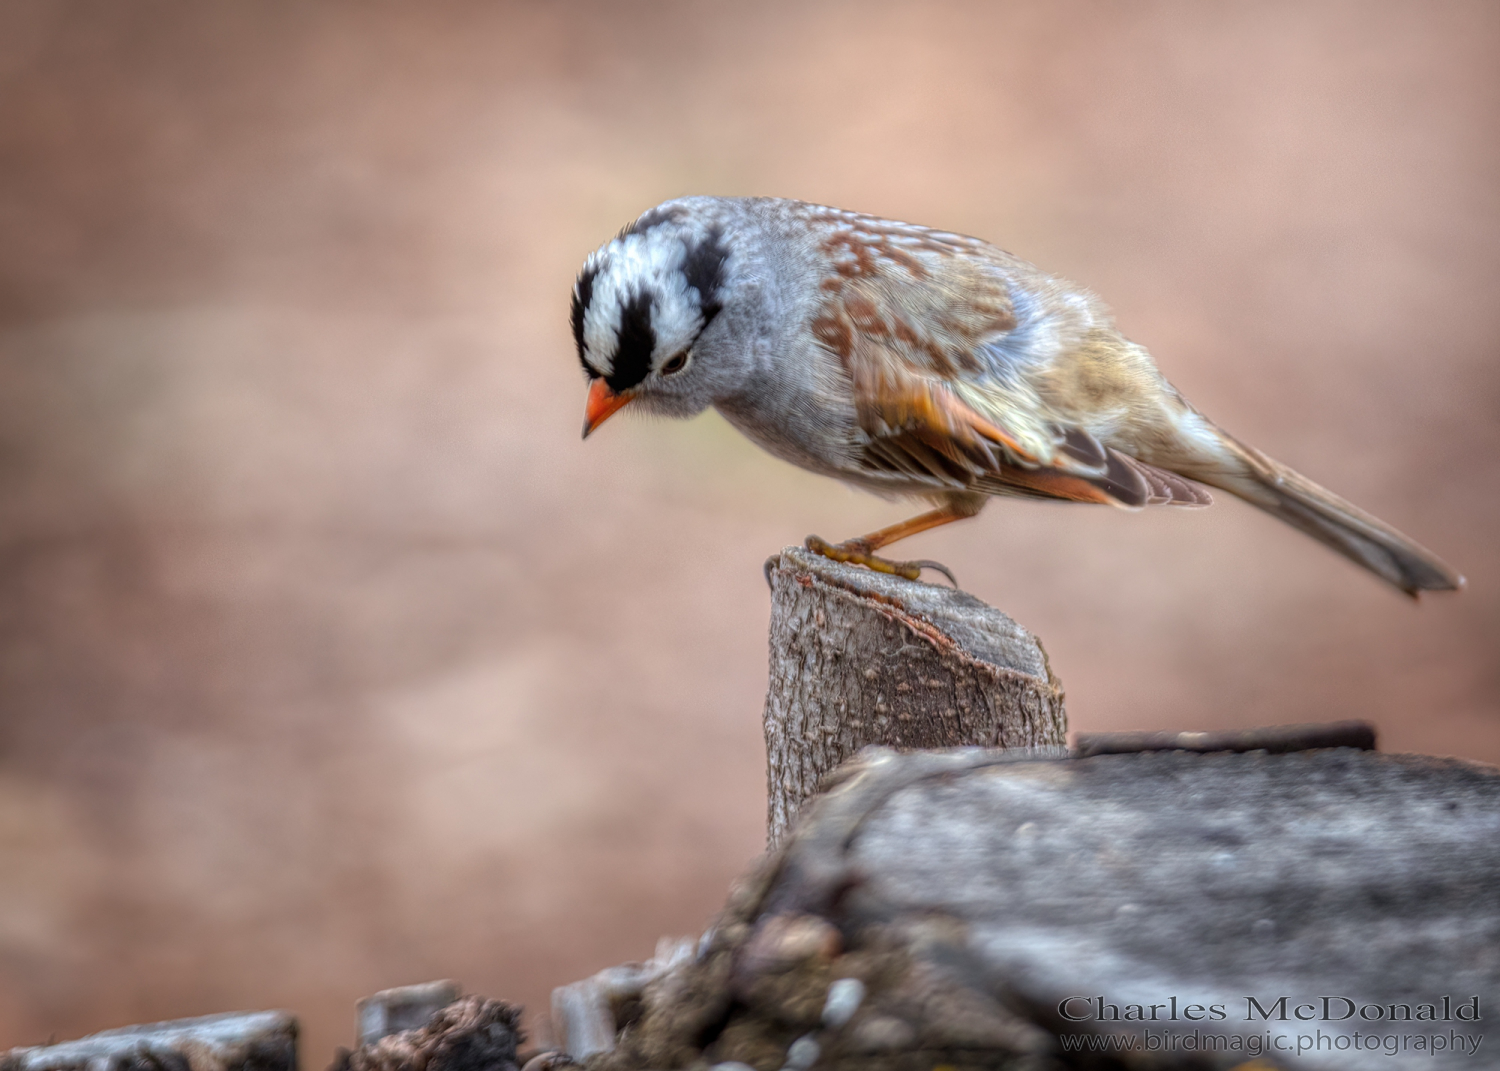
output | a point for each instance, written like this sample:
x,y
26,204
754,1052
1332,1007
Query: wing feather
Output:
x,y
928,331
1128,483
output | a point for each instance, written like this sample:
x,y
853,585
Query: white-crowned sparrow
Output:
x,y
909,361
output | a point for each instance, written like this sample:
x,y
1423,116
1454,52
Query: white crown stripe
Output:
x,y
649,263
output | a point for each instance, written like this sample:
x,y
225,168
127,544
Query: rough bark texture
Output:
x,y
945,908
859,658
235,1041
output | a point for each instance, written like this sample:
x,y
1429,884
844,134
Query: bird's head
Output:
x,y
644,312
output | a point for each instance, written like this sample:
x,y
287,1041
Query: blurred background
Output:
x,y
331,659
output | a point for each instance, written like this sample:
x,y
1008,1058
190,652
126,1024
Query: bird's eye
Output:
x,y
676,364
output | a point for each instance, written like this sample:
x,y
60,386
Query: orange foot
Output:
x,y
858,552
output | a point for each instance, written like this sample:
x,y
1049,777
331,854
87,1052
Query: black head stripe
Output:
x,y
583,293
653,218
637,340
704,268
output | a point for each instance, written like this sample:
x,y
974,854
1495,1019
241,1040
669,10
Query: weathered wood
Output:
x,y
462,1035
1276,739
587,1015
860,658
998,912
407,1007
234,1041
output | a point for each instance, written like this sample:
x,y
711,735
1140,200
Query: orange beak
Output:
x,y
602,404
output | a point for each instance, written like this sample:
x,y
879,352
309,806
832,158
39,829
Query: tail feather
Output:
x,y
1284,493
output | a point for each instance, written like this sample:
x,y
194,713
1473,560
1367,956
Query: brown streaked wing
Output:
x,y
923,298
1127,482
1044,483
905,314
894,402
920,430
894,282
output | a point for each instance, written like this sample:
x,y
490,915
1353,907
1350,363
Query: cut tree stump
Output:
x,y
860,658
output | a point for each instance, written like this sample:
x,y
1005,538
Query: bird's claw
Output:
x,y
857,552
928,563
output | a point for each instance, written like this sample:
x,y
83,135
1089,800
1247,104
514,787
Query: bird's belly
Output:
x,y
807,444
826,448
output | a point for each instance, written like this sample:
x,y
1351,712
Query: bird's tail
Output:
x,y
1283,493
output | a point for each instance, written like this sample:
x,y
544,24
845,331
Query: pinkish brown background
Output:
x,y
331,659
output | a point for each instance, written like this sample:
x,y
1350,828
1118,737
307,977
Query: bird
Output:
x,y
918,363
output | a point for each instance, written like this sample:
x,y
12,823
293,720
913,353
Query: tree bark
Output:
x,y
860,658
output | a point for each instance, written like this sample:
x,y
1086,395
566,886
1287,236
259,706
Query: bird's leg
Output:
x,y
861,551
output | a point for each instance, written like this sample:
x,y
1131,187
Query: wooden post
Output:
x,y
861,658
